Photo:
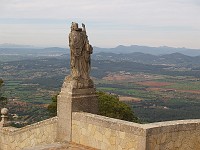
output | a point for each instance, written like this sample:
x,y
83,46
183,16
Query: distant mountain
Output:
x,y
176,58
133,57
191,52
8,45
56,49
148,50
117,50
51,51
167,59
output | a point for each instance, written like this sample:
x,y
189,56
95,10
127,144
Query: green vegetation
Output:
x,y
110,106
33,82
159,110
189,85
123,90
165,102
3,100
26,92
52,107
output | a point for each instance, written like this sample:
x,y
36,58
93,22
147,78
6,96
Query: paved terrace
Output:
x,y
61,146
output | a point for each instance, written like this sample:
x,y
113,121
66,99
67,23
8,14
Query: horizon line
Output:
x,y
13,45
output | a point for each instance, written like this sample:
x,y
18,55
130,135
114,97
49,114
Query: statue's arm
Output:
x,y
91,49
70,40
83,26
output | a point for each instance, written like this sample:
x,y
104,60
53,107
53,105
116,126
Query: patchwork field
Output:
x,y
129,99
154,93
154,83
156,97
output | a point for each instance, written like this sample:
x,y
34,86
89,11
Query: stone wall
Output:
x,y
43,132
107,133
113,134
174,135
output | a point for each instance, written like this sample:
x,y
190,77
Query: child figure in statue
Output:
x,y
80,54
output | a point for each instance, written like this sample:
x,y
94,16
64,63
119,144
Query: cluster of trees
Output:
x,y
3,100
52,108
109,106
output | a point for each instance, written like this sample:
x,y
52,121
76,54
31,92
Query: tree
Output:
x,y
3,100
52,108
109,106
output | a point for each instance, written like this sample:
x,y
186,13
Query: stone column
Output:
x,y
71,100
4,118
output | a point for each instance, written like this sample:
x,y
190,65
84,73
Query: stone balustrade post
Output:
x,y
4,118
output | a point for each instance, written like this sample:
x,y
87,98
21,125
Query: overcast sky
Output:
x,y
109,23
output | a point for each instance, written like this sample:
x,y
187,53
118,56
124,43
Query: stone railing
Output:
x,y
173,135
107,133
43,132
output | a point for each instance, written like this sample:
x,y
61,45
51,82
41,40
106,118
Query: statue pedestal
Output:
x,y
70,100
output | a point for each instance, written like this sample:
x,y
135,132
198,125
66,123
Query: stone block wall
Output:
x,y
112,134
174,135
43,132
106,133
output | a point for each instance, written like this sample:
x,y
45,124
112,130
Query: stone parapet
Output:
x,y
172,126
173,135
106,133
43,132
111,123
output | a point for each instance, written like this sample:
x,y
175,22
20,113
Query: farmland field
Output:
x,y
157,99
153,93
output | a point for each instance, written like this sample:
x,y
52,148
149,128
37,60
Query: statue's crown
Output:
x,y
74,26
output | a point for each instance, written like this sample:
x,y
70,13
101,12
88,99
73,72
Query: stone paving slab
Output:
x,y
61,146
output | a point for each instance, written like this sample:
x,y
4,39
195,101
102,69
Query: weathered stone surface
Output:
x,y
4,118
73,100
106,133
60,146
172,135
78,92
93,130
80,57
43,132
64,109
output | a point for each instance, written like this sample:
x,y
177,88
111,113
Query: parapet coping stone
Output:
x,y
136,128
172,126
13,130
111,123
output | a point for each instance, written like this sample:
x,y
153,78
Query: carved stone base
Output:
x,y
4,124
78,83
73,99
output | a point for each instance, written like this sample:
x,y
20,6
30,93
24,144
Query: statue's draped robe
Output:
x,y
80,54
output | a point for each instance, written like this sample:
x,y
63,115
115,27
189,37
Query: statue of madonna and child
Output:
x,y
80,63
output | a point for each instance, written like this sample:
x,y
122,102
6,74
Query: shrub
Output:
x,y
109,106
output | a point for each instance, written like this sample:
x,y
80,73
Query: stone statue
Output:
x,y
80,57
78,93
